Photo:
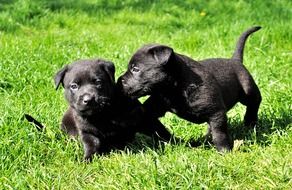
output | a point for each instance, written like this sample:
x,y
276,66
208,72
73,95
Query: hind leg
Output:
x,y
251,99
252,108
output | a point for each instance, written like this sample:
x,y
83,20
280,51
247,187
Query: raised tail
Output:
x,y
238,53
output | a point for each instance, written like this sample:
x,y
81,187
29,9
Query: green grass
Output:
x,y
38,37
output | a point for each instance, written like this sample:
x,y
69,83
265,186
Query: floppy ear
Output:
x,y
161,53
109,67
60,76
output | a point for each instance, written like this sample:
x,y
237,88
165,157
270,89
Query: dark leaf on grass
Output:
x,y
37,124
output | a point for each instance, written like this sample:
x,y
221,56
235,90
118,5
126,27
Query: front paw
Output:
x,y
91,146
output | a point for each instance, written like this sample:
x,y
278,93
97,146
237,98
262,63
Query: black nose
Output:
x,y
87,99
123,82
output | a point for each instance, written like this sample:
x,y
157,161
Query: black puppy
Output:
x,y
198,91
96,108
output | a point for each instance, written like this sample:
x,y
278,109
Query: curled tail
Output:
x,y
238,53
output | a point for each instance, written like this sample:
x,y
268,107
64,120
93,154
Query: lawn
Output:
x,y
38,37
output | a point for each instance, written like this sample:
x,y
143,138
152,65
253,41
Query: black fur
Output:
x,y
198,91
102,116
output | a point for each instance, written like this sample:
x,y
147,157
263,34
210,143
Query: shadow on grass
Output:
x,y
261,134
5,85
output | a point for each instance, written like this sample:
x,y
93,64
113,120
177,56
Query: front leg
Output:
x,y
218,128
69,124
154,128
91,144
155,106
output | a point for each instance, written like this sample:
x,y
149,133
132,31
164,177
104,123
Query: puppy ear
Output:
x,y
161,53
60,76
109,67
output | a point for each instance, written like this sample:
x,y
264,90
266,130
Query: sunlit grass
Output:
x,y
38,37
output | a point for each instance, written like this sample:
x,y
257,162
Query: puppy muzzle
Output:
x,y
90,104
128,88
122,86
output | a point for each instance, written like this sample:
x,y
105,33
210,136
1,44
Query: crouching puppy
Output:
x,y
98,113
198,91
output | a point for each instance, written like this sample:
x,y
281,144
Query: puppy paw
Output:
x,y
224,148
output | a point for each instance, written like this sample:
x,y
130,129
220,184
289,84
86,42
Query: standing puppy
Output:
x,y
96,108
198,91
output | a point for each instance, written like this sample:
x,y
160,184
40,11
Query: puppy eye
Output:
x,y
135,69
98,82
74,86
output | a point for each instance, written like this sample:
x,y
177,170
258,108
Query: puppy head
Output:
x,y
89,85
147,70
